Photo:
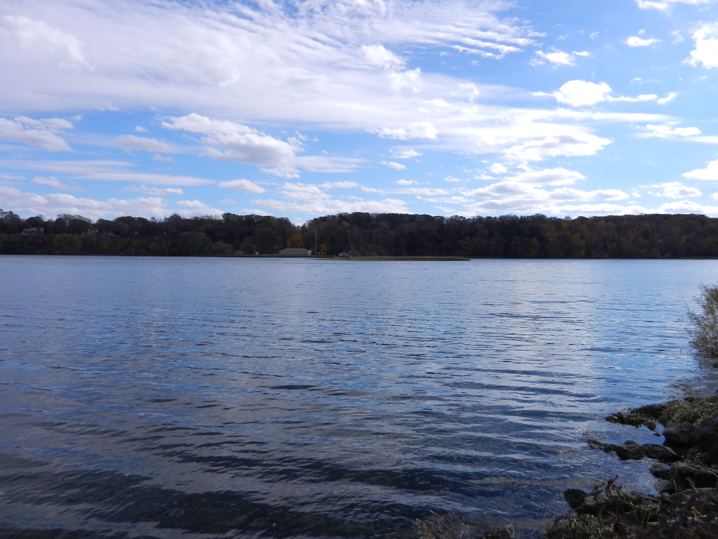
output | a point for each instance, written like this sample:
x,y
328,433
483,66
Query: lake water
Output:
x,y
161,397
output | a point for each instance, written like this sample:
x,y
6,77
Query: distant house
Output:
x,y
295,251
35,231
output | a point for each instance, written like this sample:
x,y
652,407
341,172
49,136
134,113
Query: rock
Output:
x,y
595,444
660,452
558,529
700,478
507,532
661,471
602,500
664,486
630,450
678,434
652,411
705,439
575,497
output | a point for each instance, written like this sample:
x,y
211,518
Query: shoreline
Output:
x,y
685,469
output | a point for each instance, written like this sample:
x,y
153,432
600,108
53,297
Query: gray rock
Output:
x,y
678,434
595,444
660,452
700,478
598,501
705,439
665,486
661,471
630,450
575,497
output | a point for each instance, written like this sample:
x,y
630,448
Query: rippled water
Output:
x,y
148,397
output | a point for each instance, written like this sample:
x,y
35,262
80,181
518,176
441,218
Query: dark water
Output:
x,y
145,397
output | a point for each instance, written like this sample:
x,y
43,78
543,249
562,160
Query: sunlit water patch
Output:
x,y
146,397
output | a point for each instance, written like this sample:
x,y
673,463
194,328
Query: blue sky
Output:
x,y
317,107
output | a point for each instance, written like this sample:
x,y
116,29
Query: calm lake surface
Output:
x,y
168,397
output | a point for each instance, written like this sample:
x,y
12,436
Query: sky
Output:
x,y
307,108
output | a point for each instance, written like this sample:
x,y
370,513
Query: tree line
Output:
x,y
507,236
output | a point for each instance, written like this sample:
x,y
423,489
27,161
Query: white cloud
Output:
x,y
378,56
38,133
635,41
451,179
329,206
238,142
162,158
195,207
339,185
54,204
230,141
498,168
570,144
706,47
242,186
687,206
405,81
227,201
417,130
669,97
553,176
708,173
131,142
38,35
421,191
677,190
666,131
406,182
141,129
113,171
578,93
405,153
159,192
392,164
558,58
665,5
51,181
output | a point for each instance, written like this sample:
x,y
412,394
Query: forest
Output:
x,y
365,234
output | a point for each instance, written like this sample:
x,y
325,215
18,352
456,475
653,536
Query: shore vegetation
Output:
x,y
367,235
704,334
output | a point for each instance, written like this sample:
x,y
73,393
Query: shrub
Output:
x,y
704,334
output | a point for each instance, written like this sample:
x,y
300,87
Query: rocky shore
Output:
x,y
686,472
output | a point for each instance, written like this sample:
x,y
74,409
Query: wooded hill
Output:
x,y
508,236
